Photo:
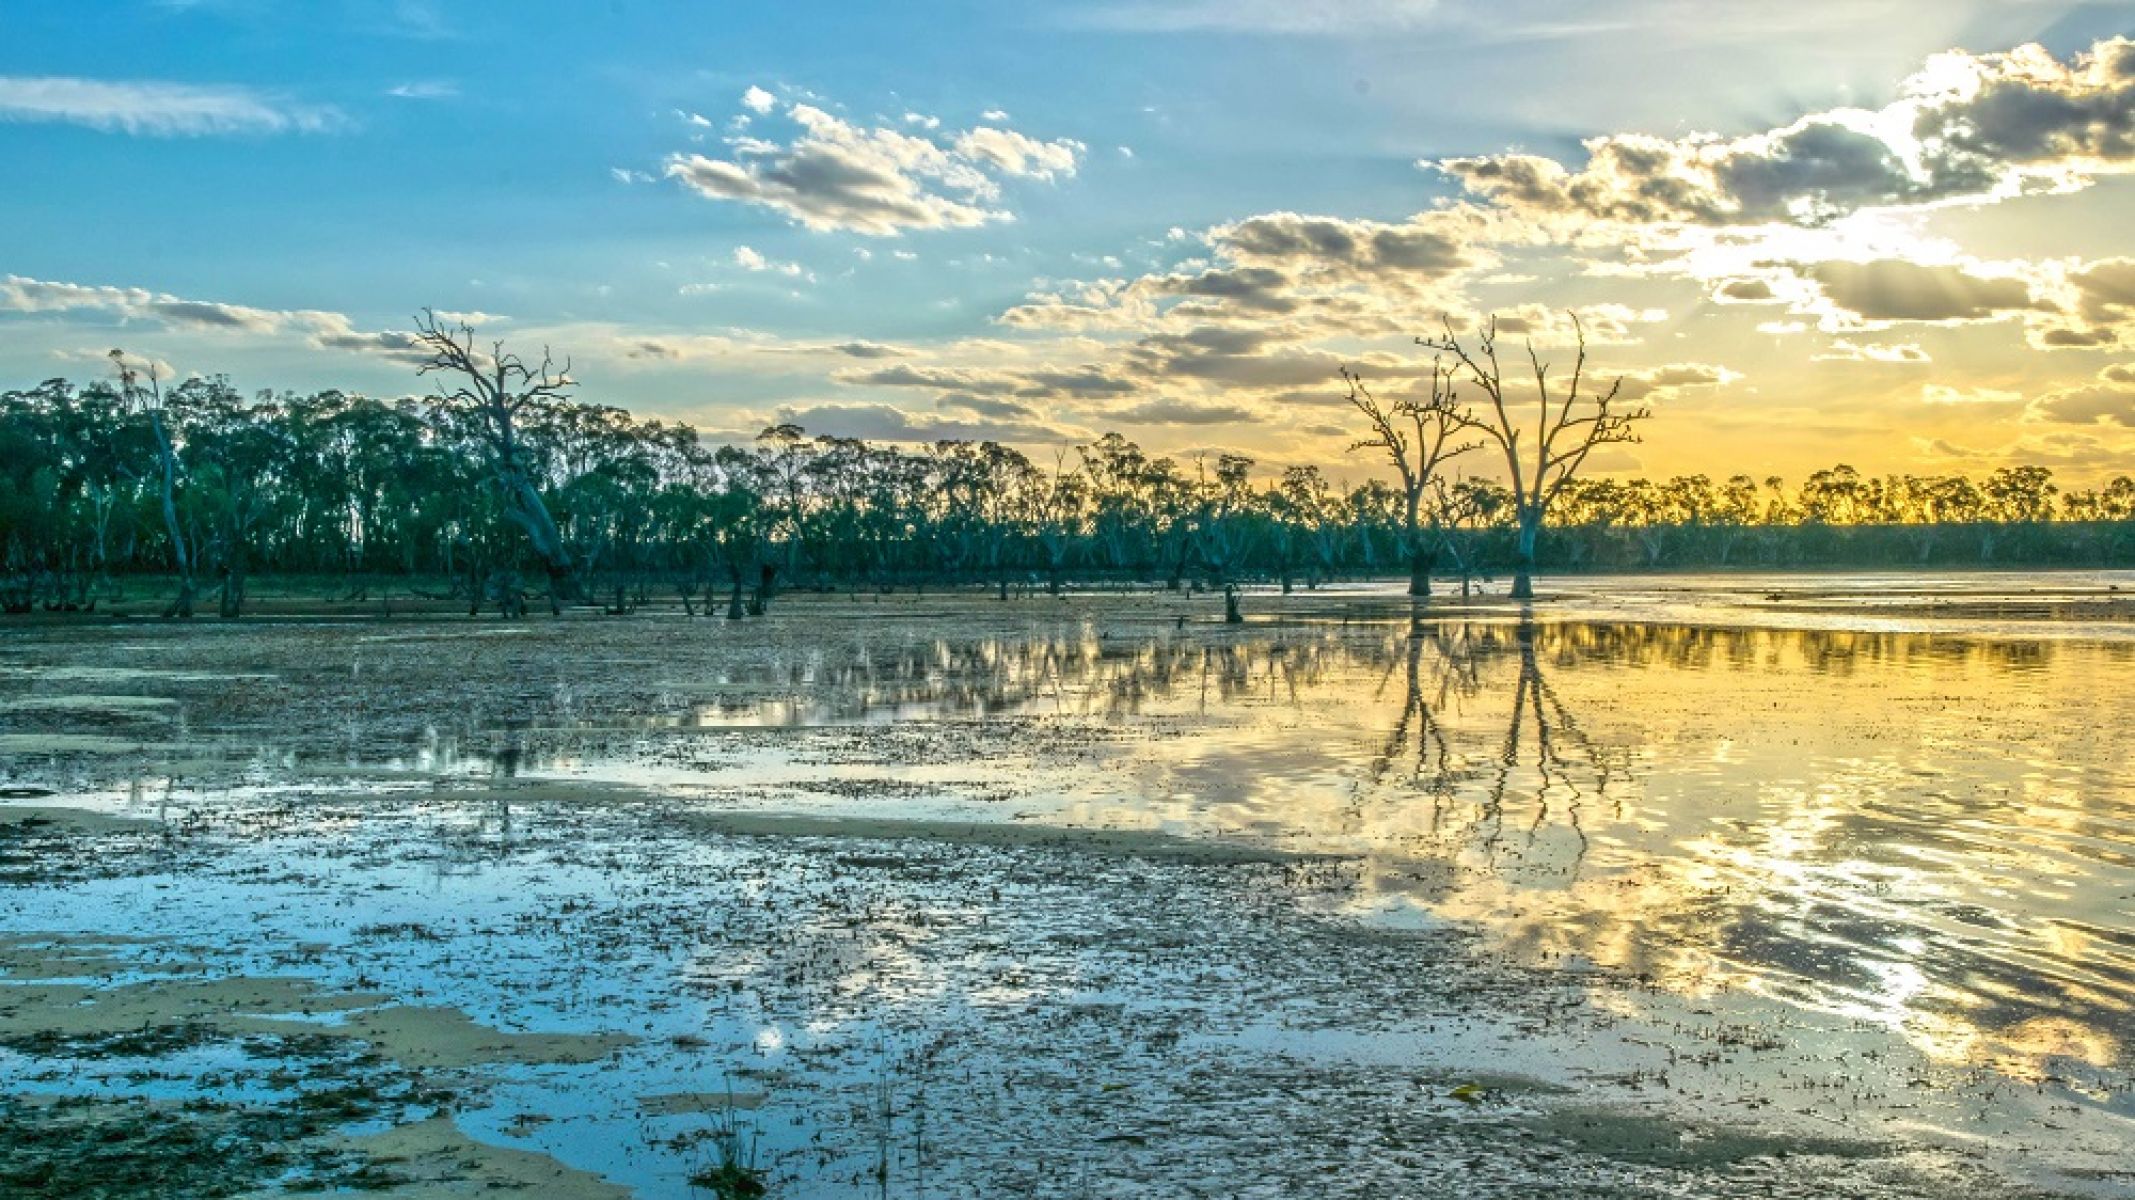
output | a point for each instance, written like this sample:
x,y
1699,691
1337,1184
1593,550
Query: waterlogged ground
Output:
x,y
1730,886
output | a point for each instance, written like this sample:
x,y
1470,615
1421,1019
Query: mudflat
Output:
x,y
1704,886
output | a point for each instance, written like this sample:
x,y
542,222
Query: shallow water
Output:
x,y
1900,809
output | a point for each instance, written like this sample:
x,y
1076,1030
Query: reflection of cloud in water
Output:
x,y
1927,831
1917,831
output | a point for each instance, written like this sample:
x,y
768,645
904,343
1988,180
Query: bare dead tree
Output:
x,y
1417,433
494,388
142,387
1569,422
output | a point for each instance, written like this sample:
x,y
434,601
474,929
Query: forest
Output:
x,y
504,486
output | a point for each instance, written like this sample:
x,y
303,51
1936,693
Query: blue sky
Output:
x,y
322,170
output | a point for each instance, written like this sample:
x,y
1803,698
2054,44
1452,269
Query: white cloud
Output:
x,y
327,330
757,100
158,109
1013,153
877,181
425,89
1967,127
749,259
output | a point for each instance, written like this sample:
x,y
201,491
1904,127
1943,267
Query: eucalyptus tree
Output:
x,y
1303,522
1223,527
71,478
1734,512
1417,434
751,519
495,392
1571,420
2115,501
983,485
1057,507
1468,509
141,383
239,458
1124,499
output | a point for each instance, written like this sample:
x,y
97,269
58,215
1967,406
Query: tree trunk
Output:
x,y
182,605
1523,581
233,586
1420,565
1231,615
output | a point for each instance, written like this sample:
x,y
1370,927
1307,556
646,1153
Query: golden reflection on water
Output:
x,y
1926,832
1931,832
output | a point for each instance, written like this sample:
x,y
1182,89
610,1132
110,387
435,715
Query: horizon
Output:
x,y
1891,244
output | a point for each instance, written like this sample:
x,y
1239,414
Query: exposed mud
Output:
x,y
1073,902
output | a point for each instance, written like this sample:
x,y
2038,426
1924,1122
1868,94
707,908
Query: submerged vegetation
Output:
x,y
503,486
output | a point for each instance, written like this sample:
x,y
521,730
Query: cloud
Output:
x,y
881,422
758,101
1669,382
750,260
1603,324
989,407
837,176
1424,246
1029,383
1018,154
1181,412
1807,172
1966,127
1745,291
156,109
2025,108
324,330
20,294
1322,274
425,89
2108,399
1942,393
1888,290
2103,293
1846,350
866,349
395,345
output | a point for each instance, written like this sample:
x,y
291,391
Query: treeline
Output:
x,y
128,478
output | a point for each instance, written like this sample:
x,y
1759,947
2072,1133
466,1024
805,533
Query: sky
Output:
x,y
1891,233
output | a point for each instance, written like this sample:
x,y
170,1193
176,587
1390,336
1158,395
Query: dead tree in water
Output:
x,y
148,396
1417,434
493,389
1568,426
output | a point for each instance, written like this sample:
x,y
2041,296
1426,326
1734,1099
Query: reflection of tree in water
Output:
x,y
1534,764
1856,864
